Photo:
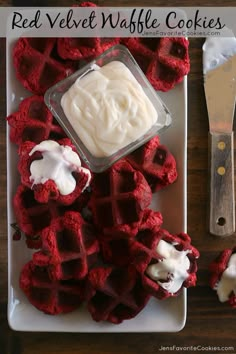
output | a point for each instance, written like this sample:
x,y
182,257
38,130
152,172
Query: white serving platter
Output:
x,y
158,316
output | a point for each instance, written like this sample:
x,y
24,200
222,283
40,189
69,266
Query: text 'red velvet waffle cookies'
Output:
x,y
115,294
156,163
38,65
164,61
51,297
53,170
119,196
223,276
33,121
69,247
41,62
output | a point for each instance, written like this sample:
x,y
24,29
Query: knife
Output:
x,y
219,67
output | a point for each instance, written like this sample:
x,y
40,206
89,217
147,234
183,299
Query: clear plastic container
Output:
x,y
53,101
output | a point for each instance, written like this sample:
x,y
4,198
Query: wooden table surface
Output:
x,y
209,323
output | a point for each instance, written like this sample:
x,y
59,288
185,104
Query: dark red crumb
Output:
x,y
17,235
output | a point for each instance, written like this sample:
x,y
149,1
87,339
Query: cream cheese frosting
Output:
x,y
227,282
108,109
57,163
172,269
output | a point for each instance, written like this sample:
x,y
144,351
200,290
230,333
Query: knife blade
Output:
x,y
220,93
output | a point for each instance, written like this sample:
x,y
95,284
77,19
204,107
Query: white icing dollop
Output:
x,y
216,51
57,163
172,270
227,282
108,109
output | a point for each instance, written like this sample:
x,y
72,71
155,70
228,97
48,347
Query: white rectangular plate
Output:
x,y
158,316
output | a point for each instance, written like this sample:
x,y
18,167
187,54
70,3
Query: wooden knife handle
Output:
x,y
222,205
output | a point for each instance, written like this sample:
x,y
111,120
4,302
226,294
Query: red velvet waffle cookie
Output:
x,y
38,65
117,247
163,60
173,52
156,163
84,48
32,217
115,294
78,48
51,297
33,121
69,247
48,166
223,276
119,196
167,262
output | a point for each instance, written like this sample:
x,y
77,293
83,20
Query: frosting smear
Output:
x,y
57,163
108,109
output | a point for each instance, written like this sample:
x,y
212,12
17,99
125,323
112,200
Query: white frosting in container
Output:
x,y
172,270
216,51
57,163
108,109
227,282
